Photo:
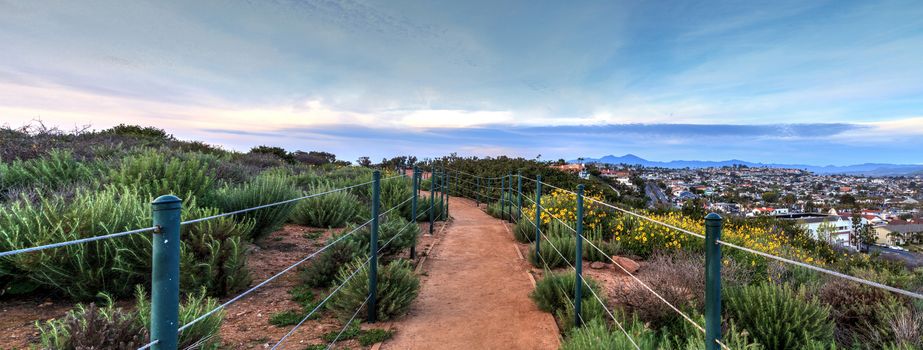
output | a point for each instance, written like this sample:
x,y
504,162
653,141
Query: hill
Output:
x,y
874,169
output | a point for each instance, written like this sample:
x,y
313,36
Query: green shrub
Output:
x,y
524,231
596,335
57,169
398,231
322,271
779,317
80,271
93,327
688,337
329,210
156,173
374,335
861,313
201,335
264,189
351,331
556,290
286,318
591,310
423,206
211,252
398,286
393,193
556,251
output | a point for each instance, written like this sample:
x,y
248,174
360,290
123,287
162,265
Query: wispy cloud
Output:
x,y
795,79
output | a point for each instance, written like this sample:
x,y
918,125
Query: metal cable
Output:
x,y
290,332
697,326
77,241
275,204
340,286
829,272
767,255
241,295
330,346
619,324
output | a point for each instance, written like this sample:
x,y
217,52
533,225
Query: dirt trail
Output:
x,y
475,292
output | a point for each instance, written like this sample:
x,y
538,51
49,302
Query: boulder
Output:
x,y
597,265
626,263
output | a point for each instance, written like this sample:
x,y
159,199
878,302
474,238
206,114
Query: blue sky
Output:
x,y
815,82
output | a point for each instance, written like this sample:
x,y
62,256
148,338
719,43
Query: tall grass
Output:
x,y
264,189
211,252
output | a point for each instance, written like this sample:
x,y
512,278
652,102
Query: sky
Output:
x,y
796,82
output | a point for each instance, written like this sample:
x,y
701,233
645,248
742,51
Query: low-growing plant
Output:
x,y
322,271
779,316
394,229
374,336
93,327
328,210
555,290
524,231
398,286
264,189
202,334
423,208
596,335
555,252
351,331
286,318
689,337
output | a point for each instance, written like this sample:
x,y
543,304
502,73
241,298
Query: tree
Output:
x,y
364,161
276,151
847,200
771,196
314,157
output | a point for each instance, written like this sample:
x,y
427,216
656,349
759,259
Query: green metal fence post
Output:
x,y
489,193
502,194
457,189
165,272
519,194
413,209
373,249
432,199
509,195
445,193
538,216
477,186
578,263
712,281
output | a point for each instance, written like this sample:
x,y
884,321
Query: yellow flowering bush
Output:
x,y
643,237
563,205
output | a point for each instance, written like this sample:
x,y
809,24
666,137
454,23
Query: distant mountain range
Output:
x,y
874,169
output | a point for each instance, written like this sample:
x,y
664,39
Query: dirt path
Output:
x,y
475,292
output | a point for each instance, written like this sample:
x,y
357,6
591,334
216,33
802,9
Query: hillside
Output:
x,y
872,169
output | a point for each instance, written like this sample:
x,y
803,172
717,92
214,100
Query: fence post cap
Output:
x,y
580,187
713,217
167,202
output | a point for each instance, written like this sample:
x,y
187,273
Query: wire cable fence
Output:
x,y
165,282
712,239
